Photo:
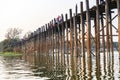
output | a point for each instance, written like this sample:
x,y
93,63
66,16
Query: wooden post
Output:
x,y
75,34
96,49
107,24
89,62
46,45
83,29
103,39
39,41
98,28
40,44
83,39
118,7
71,32
63,41
66,26
111,36
58,41
53,41
88,29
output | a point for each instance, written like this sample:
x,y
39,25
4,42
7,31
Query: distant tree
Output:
x,y
27,34
8,44
13,33
12,37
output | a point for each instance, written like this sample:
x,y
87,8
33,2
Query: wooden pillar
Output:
x,y
96,49
67,41
98,28
52,39
39,41
58,42
63,41
40,44
118,7
88,29
47,48
83,29
111,32
107,25
103,38
89,61
75,47
83,39
55,40
46,38
71,32
75,33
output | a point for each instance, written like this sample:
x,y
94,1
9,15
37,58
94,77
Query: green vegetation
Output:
x,y
9,54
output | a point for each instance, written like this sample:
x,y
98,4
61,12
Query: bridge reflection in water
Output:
x,y
106,67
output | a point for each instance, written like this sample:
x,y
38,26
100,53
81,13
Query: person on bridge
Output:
x,y
101,1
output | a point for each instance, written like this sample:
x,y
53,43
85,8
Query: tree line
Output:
x,y
12,36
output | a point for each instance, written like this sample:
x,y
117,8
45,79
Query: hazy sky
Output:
x,y
31,14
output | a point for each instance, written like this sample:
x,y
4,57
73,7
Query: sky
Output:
x,y
29,15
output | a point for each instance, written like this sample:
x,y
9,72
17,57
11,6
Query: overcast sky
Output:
x,y
29,15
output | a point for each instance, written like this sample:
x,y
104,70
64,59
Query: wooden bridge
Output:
x,y
90,31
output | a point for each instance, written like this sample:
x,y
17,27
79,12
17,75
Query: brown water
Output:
x,y
41,67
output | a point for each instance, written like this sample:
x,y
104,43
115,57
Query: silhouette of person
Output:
x,y
101,1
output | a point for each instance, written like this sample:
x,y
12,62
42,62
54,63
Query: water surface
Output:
x,y
47,67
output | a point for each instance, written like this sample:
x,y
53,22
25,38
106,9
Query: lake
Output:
x,y
42,67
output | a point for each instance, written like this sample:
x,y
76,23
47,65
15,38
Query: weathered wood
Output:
x,y
53,41
111,32
107,24
118,7
88,29
83,37
71,33
75,33
62,40
103,38
67,41
83,29
97,27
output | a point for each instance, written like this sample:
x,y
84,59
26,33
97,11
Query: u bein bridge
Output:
x,y
84,34
87,31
